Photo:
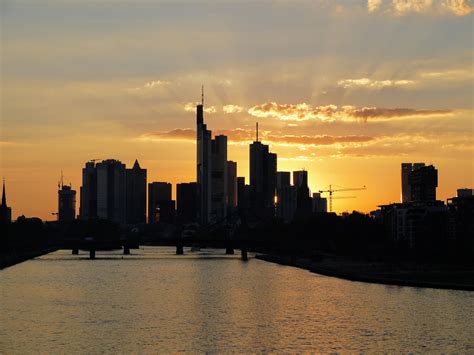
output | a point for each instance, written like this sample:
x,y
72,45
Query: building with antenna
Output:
x,y
211,175
5,211
263,169
203,162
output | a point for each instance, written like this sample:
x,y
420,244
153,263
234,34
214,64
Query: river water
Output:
x,y
155,301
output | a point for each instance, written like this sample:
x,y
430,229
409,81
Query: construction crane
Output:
x,y
331,191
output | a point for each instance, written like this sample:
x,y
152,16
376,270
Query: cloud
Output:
x,y
405,7
373,84
373,5
232,108
247,136
304,112
458,7
191,107
151,85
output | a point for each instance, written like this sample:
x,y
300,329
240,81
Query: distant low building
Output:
x,y
461,219
161,207
320,204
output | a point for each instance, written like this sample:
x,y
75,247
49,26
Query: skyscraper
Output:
x,y
303,200
160,203
231,184
186,202
263,167
282,182
5,211
88,191
204,167
66,203
423,182
136,194
219,177
111,191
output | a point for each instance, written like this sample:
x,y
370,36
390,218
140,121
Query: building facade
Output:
x,y
160,203
186,201
66,204
136,194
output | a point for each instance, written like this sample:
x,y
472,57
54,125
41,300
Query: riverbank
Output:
x,y
14,258
428,276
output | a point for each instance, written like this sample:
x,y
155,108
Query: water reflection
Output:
x,y
154,301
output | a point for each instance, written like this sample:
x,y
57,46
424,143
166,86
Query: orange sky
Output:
x,y
345,90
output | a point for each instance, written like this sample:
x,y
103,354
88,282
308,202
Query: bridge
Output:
x,y
228,233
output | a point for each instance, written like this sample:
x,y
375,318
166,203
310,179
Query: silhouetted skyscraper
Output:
x,y
243,194
231,184
88,191
66,204
423,182
186,200
406,170
5,211
282,182
160,202
111,191
204,167
320,204
136,194
219,177
303,200
263,168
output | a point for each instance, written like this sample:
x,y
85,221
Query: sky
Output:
x,y
346,89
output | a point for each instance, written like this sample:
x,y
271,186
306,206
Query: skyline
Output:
x,y
91,81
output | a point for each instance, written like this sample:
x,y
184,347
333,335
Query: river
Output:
x,y
155,301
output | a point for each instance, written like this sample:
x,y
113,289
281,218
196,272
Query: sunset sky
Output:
x,y
346,89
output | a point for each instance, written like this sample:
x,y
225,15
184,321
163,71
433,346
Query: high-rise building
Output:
x,y
111,191
288,205
5,211
423,182
159,202
263,168
136,194
66,203
243,194
186,202
88,191
406,170
219,178
303,201
231,184
282,182
204,166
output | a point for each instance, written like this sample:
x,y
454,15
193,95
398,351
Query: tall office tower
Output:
x,y
406,170
136,194
303,200
289,199
186,202
5,211
88,192
423,182
66,203
282,182
300,178
219,178
231,184
159,202
204,167
263,167
111,191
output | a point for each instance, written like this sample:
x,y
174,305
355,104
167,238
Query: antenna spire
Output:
x,y
202,95
257,131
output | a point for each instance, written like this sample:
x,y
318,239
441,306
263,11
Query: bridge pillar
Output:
x,y
229,250
92,254
179,249
243,254
75,251
126,250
